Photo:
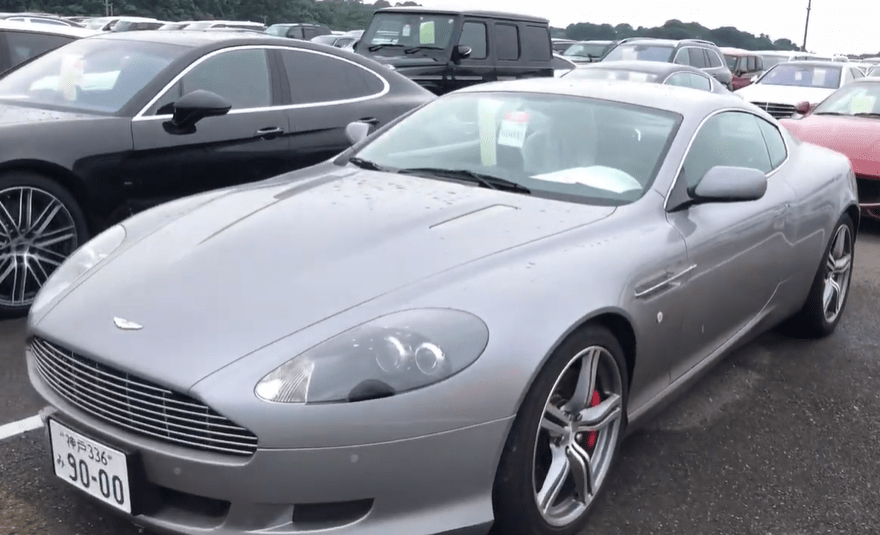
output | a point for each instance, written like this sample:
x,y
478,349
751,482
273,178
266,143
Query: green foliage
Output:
x,y
675,29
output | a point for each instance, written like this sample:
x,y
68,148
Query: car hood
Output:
x,y
856,137
782,94
11,115
248,268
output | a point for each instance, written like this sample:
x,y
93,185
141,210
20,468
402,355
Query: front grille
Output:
x,y
779,111
138,405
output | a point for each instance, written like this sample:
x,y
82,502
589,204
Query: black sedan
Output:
x,y
107,126
648,71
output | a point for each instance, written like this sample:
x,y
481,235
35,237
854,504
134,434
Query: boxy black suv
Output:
x,y
704,55
445,50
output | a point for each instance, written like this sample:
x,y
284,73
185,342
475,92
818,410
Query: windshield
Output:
x,y
863,98
325,39
611,74
563,147
585,50
770,61
800,75
731,61
97,24
405,30
88,75
640,52
874,72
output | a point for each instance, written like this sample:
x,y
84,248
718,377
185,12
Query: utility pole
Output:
x,y
807,24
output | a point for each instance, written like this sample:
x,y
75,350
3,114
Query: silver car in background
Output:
x,y
449,326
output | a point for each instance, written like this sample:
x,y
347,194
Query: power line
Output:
x,y
807,24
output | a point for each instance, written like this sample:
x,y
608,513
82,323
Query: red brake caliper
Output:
x,y
593,435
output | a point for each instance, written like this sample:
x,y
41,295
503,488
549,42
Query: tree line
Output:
x,y
355,14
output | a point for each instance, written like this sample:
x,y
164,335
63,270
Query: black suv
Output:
x,y
704,55
445,50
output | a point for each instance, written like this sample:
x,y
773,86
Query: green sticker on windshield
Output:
x,y
426,33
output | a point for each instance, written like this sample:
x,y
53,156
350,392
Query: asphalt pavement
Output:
x,y
781,438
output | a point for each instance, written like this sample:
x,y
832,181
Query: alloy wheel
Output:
x,y
577,436
37,233
838,271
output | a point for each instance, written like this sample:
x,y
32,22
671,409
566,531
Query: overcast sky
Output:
x,y
841,26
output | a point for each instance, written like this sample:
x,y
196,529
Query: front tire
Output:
x,y
40,226
830,290
564,438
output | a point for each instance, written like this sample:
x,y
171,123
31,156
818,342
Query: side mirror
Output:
x,y
462,52
192,108
357,132
730,184
754,78
803,107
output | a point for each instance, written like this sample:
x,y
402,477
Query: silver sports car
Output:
x,y
449,326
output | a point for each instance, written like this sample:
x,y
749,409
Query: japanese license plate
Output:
x,y
90,466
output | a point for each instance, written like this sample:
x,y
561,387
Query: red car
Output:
x,y
848,121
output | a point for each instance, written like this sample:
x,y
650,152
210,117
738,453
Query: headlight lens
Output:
x,y
77,264
389,355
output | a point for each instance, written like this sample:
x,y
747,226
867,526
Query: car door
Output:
x,y
740,251
324,93
249,143
476,68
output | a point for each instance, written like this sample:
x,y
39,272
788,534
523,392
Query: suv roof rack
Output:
x,y
701,41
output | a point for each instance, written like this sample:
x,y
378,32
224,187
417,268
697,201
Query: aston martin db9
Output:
x,y
448,326
107,126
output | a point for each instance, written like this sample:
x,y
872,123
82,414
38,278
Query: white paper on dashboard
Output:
x,y
596,176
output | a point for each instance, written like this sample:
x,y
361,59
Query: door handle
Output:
x,y
369,120
270,132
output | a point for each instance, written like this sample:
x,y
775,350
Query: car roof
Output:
x,y
681,100
465,12
652,67
731,51
814,63
199,38
51,29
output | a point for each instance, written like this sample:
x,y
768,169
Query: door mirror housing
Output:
x,y
724,184
803,107
193,107
357,132
461,52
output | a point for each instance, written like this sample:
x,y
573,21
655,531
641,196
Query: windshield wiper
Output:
x,y
866,114
374,48
829,113
487,181
366,164
413,50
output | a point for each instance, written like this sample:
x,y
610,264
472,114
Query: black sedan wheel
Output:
x,y
40,226
564,438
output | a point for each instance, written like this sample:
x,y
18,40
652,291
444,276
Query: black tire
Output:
x,y
70,214
811,321
514,494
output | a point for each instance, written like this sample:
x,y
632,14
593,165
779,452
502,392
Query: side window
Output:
x,y
682,57
699,82
536,44
679,79
750,64
856,73
310,33
323,78
713,59
698,58
775,143
24,45
759,63
474,35
729,139
296,32
507,41
239,76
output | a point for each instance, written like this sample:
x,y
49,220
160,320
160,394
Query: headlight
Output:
x,y
77,264
389,355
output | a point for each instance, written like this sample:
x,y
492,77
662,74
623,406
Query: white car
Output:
x,y
21,41
779,90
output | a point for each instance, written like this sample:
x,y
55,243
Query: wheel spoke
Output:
x,y
556,476
581,472
9,270
26,207
839,242
46,216
55,236
601,416
553,420
586,382
4,214
841,265
19,281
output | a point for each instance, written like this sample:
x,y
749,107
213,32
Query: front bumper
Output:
x,y
440,483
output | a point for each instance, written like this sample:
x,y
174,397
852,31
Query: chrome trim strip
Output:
x,y
660,285
697,132
386,87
